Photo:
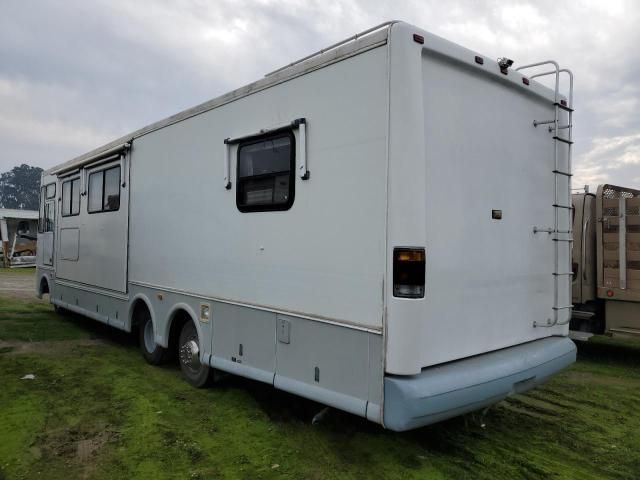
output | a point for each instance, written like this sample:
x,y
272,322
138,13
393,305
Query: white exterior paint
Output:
x,y
472,130
87,251
323,257
407,145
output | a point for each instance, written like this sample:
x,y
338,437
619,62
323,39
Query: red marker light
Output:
x,y
418,38
609,293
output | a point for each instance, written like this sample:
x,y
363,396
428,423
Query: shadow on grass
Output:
x,y
100,331
604,349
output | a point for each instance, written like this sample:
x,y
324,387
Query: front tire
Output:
x,y
153,353
196,373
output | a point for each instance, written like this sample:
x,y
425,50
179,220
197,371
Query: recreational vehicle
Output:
x,y
606,261
383,226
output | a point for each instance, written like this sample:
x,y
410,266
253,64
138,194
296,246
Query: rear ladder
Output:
x,y
560,205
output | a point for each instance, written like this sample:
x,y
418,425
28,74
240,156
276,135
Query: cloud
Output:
x,y
610,160
27,115
75,74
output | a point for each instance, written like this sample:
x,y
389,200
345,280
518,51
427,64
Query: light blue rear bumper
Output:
x,y
445,391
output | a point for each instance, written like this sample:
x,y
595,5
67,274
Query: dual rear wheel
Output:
x,y
188,352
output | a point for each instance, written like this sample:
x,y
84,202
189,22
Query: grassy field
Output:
x,y
96,410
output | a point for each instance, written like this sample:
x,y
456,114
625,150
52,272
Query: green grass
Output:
x,y
96,410
34,321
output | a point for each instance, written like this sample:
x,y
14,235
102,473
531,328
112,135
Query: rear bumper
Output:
x,y
442,392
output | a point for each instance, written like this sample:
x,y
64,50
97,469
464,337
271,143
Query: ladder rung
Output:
x,y
563,107
570,207
543,122
556,274
562,240
563,140
568,232
562,308
566,174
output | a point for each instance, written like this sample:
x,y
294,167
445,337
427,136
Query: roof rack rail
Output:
x,y
336,45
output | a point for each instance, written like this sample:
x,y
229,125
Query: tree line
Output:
x,y
20,187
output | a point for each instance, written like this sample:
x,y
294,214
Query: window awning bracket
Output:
x,y
299,124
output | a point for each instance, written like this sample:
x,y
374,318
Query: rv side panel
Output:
x,y
325,256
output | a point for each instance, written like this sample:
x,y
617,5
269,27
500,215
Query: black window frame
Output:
x,y
287,133
71,214
102,172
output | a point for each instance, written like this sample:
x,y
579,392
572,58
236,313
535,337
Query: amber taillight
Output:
x,y
408,272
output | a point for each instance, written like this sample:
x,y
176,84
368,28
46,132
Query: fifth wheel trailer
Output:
x,y
606,261
381,226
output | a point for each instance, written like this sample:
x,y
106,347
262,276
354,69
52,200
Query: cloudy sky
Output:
x,y
76,74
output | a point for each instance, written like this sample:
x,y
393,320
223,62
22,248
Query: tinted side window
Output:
x,y
104,190
71,197
266,173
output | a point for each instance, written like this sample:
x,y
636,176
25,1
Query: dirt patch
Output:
x,y
87,447
78,447
18,284
47,347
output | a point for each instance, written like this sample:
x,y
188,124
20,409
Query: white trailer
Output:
x,y
380,227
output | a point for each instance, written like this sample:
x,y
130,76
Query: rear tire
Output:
x,y
196,373
153,353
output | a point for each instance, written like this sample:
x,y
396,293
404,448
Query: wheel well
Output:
x,y
44,286
178,320
138,307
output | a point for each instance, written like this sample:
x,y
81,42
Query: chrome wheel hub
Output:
x,y
190,355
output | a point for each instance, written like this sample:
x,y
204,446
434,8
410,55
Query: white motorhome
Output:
x,y
381,227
